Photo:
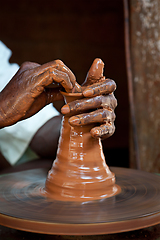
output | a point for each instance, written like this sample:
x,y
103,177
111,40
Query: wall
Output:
x,y
75,32
145,47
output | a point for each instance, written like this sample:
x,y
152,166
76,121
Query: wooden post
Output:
x,y
145,62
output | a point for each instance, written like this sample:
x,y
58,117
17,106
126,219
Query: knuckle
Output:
x,y
108,130
24,65
109,102
28,65
58,63
113,84
108,115
75,106
113,100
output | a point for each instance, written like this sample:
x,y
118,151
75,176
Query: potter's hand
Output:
x,y
99,95
32,88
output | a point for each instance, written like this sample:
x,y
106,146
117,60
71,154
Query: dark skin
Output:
x,y
27,92
99,97
34,86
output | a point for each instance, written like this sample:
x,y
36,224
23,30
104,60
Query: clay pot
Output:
x,y
79,172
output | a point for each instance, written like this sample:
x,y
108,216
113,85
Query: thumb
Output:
x,y
46,97
52,95
95,72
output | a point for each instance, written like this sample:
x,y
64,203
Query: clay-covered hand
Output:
x,y
99,96
33,87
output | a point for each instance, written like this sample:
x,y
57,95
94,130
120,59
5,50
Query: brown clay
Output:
x,y
79,172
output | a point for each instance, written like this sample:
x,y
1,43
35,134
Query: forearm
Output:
x,y
8,115
45,141
5,120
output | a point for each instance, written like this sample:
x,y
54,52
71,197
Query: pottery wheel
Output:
x,y
23,207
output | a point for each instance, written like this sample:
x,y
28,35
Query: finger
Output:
x,y
62,78
105,87
61,67
97,116
108,101
47,77
53,95
57,64
82,105
95,72
103,131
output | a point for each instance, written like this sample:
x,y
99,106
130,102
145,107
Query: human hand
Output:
x,y
99,95
33,87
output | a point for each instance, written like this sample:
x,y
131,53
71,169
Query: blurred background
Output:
x,y
76,32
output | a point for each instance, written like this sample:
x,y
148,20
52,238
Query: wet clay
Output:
x,y
79,172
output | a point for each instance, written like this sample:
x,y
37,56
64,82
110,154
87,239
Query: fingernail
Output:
x,y
74,120
88,92
65,109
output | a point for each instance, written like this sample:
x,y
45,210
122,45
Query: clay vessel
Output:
x,y
79,172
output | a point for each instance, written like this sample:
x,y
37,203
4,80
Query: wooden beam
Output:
x,y
145,62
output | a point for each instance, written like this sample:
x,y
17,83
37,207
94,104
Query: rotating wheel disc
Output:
x,y
23,207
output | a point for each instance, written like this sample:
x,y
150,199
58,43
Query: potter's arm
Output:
x,y
27,91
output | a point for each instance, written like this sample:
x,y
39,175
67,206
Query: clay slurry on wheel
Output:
x,y
20,198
